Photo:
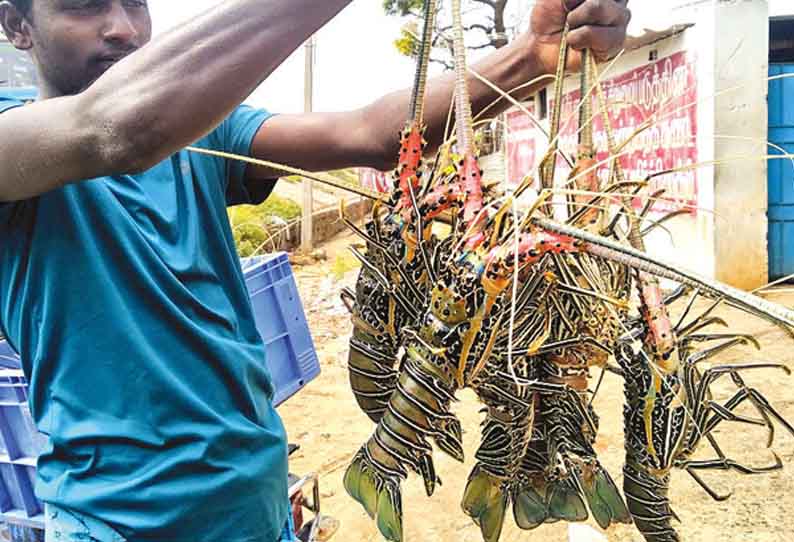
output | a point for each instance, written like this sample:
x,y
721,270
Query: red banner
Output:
x,y
521,144
663,93
374,179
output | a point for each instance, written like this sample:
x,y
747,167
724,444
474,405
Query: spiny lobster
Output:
x,y
520,307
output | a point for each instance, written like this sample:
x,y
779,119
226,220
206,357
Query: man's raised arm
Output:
x,y
156,100
369,136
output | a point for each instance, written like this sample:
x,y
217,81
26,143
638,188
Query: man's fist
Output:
x,y
599,25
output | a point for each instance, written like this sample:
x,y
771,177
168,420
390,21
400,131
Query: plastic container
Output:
x,y
21,533
18,502
20,445
13,386
291,358
8,358
19,437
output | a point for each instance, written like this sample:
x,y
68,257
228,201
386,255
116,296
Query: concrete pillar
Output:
x,y
740,59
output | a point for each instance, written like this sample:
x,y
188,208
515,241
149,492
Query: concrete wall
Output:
x,y
727,239
741,45
326,223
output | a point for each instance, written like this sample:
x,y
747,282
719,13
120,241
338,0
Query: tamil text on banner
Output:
x,y
663,94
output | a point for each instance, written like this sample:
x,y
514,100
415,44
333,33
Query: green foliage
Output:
x,y
343,264
403,7
254,228
408,42
484,23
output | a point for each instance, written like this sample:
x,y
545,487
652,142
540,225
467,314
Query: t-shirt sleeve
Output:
x,y
237,134
5,105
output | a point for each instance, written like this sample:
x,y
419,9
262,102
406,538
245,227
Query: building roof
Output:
x,y
650,36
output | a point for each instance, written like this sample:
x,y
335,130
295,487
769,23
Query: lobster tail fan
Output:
x,y
389,512
566,502
486,503
530,510
604,498
361,485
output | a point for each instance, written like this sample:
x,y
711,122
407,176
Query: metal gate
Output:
x,y
781,173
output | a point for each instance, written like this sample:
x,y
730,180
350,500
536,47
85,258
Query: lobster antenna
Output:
x,y
314,177
420,80
548,167
469,171
462,99
586,146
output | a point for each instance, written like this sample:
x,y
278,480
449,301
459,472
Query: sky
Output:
x,y
356,60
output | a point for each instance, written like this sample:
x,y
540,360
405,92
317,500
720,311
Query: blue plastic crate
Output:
x,y
18,502
23,533
8,358
19,438
291,357
13,386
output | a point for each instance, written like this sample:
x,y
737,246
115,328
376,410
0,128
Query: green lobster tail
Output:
x,y
360,484
486,503
566,502
604,499
390,515
529,508
352,479
380,497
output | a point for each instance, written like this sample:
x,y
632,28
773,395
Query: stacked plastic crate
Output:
x,y
291,360
20,444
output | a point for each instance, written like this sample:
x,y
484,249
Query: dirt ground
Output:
x,y
325,420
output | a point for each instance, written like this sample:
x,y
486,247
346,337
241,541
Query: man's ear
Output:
x,y
16,26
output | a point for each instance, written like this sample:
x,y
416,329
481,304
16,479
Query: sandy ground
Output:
x,y
325,420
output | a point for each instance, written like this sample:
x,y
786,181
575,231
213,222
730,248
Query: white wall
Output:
x,y
741,45
781,7
727,237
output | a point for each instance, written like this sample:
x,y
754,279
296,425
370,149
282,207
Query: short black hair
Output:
x,y
22,5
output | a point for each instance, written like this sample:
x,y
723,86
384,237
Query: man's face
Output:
x,y
75,41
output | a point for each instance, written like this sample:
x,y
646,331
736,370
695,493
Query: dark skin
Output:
x,y
108,93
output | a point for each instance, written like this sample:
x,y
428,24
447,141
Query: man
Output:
x,y
119,282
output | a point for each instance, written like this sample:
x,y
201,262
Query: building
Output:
x,y
16,68
702,79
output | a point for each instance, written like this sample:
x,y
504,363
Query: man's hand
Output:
x,y
599,25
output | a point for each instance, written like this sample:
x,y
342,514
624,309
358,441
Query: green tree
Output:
x,y
485,26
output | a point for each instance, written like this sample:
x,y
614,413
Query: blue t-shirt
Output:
x,y
125,298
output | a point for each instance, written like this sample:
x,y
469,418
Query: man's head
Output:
x,y
73,42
